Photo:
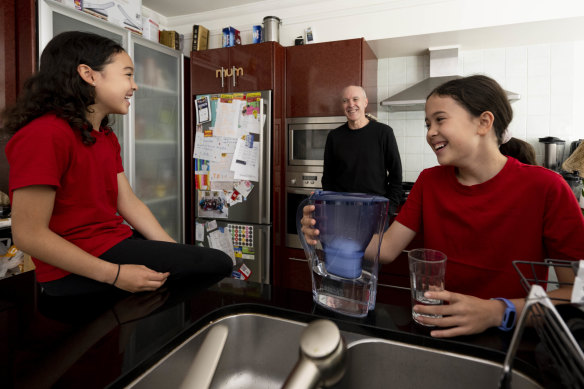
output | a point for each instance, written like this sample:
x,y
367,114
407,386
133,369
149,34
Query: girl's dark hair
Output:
x,y
478,94
520,150
58,88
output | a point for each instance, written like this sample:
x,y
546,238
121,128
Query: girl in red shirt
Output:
x,y
482,209
68,189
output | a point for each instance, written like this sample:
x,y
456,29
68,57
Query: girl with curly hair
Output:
x,y
69,193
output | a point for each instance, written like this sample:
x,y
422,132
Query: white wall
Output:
x,y
370,19
549,78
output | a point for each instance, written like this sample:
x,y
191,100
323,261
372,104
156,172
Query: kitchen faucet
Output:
x,y
322,357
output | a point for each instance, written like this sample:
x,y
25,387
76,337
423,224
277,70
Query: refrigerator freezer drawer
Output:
x,y
251,244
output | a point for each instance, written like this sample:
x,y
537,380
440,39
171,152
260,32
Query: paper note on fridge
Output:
x,y
245,163
226,145
227,120
220,170
199,232
222,241
250,122
207,147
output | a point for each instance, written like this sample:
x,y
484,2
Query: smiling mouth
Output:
x,y
439,146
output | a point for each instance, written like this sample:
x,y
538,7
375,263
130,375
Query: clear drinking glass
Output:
x,y
427,270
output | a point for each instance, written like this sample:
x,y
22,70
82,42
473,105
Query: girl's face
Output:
x,y
452,131
114,86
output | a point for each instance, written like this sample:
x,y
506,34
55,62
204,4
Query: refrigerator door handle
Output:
x,y
265,256
222,79
234,74
265,192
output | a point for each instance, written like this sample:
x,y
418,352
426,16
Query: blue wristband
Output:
x,y
510,315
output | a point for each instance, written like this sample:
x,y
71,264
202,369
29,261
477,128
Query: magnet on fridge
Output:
x,y
249,140
245,271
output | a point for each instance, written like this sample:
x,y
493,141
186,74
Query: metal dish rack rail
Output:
x,y
551,328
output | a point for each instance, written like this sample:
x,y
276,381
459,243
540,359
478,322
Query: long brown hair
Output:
x,y
58,88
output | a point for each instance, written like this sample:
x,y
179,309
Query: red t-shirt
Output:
x,y
48,152
525,212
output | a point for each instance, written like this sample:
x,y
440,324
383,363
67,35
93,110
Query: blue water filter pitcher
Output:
x,y
343,278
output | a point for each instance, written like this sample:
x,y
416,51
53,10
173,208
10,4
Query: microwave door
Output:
x,y
306,143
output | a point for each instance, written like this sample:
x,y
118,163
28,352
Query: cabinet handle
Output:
x,y
222,80
233,74
298,259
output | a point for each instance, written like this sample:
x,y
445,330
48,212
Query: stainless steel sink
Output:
x,y
380,364
261,350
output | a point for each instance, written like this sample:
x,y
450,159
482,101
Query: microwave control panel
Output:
x,y
305,179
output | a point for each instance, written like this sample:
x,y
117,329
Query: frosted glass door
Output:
x,y
158,134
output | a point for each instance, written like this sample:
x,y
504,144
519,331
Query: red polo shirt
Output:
x,y
525,213
48,152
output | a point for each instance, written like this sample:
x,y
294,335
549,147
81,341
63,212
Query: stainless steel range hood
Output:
x,y
443,68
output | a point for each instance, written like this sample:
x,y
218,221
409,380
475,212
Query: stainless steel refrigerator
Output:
x,y
232,159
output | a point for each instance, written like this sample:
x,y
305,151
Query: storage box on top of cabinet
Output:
x,y
123,13
77,4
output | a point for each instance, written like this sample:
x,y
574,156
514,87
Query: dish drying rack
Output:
x,y
551,328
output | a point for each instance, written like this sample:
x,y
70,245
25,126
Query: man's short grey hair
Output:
x,y
356,86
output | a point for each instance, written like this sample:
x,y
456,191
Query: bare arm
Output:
x,y
135,212
565,276
395,240
32,207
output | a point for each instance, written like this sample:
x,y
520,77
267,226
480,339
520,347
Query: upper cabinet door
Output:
x,y
207,74
253,67
233,69
317,73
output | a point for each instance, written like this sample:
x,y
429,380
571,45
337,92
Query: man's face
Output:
x,y
354,103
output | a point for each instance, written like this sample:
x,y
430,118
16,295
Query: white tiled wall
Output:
x,y
549,78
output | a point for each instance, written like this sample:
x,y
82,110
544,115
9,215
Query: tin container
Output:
x,y
272,29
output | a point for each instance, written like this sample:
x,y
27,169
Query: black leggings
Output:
x,y
180,260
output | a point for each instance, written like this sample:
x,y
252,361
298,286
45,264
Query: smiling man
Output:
x,y
362,155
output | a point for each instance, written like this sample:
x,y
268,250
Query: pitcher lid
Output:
x,y
345,197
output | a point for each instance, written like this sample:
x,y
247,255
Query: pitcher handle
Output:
x,y
299,214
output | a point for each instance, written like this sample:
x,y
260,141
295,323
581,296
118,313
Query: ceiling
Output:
x,y
187,7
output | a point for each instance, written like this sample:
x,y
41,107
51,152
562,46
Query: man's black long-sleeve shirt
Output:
x,y
366,160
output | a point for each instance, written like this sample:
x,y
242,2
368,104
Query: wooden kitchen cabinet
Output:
x,y
317,73
204,65
295,269
396,273
244,68
18,54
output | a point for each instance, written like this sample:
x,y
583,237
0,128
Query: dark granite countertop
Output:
x,y
107,341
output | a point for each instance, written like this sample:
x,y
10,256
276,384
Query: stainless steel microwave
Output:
x,y
307,139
